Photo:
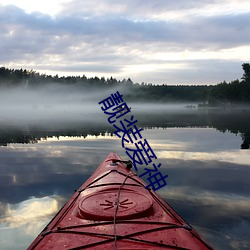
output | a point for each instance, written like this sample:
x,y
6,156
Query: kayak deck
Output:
x,y
113,210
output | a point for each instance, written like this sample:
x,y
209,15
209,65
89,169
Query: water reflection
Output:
x,y
20,222
208,181
234,121
33,209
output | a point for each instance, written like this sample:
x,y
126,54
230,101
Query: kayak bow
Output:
x,y
113,210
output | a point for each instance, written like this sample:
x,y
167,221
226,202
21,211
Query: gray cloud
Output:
x,y
85,68
204,29
220,31
133,8
114,35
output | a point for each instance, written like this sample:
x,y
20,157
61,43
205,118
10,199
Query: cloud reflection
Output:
x,y
29,212
228,203
22,222
236,156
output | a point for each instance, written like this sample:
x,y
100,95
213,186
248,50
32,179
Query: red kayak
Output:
x,y
113,210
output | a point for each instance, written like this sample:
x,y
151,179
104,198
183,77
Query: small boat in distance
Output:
x,y
113,210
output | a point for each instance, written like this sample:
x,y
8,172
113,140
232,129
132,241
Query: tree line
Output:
x,y
236,91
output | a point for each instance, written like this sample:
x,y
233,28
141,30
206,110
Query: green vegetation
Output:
x,y
234,92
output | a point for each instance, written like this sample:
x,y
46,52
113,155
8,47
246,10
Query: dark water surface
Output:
x,y
42,163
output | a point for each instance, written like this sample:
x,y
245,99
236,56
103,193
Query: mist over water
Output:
x,y
58,103
50,103
61,107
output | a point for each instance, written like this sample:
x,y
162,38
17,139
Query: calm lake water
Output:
x,y
204,152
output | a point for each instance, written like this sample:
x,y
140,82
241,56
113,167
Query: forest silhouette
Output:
x,y
224,93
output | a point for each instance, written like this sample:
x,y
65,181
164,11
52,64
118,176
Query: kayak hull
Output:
x,y
113,210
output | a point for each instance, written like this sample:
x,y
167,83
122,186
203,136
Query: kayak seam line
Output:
x,y
120,222
98,179
114,170
109,184
121,236
140,183
128,237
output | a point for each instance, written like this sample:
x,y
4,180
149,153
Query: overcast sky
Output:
x,y
157,41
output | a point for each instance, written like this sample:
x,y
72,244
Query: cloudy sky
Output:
x,y
157,41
